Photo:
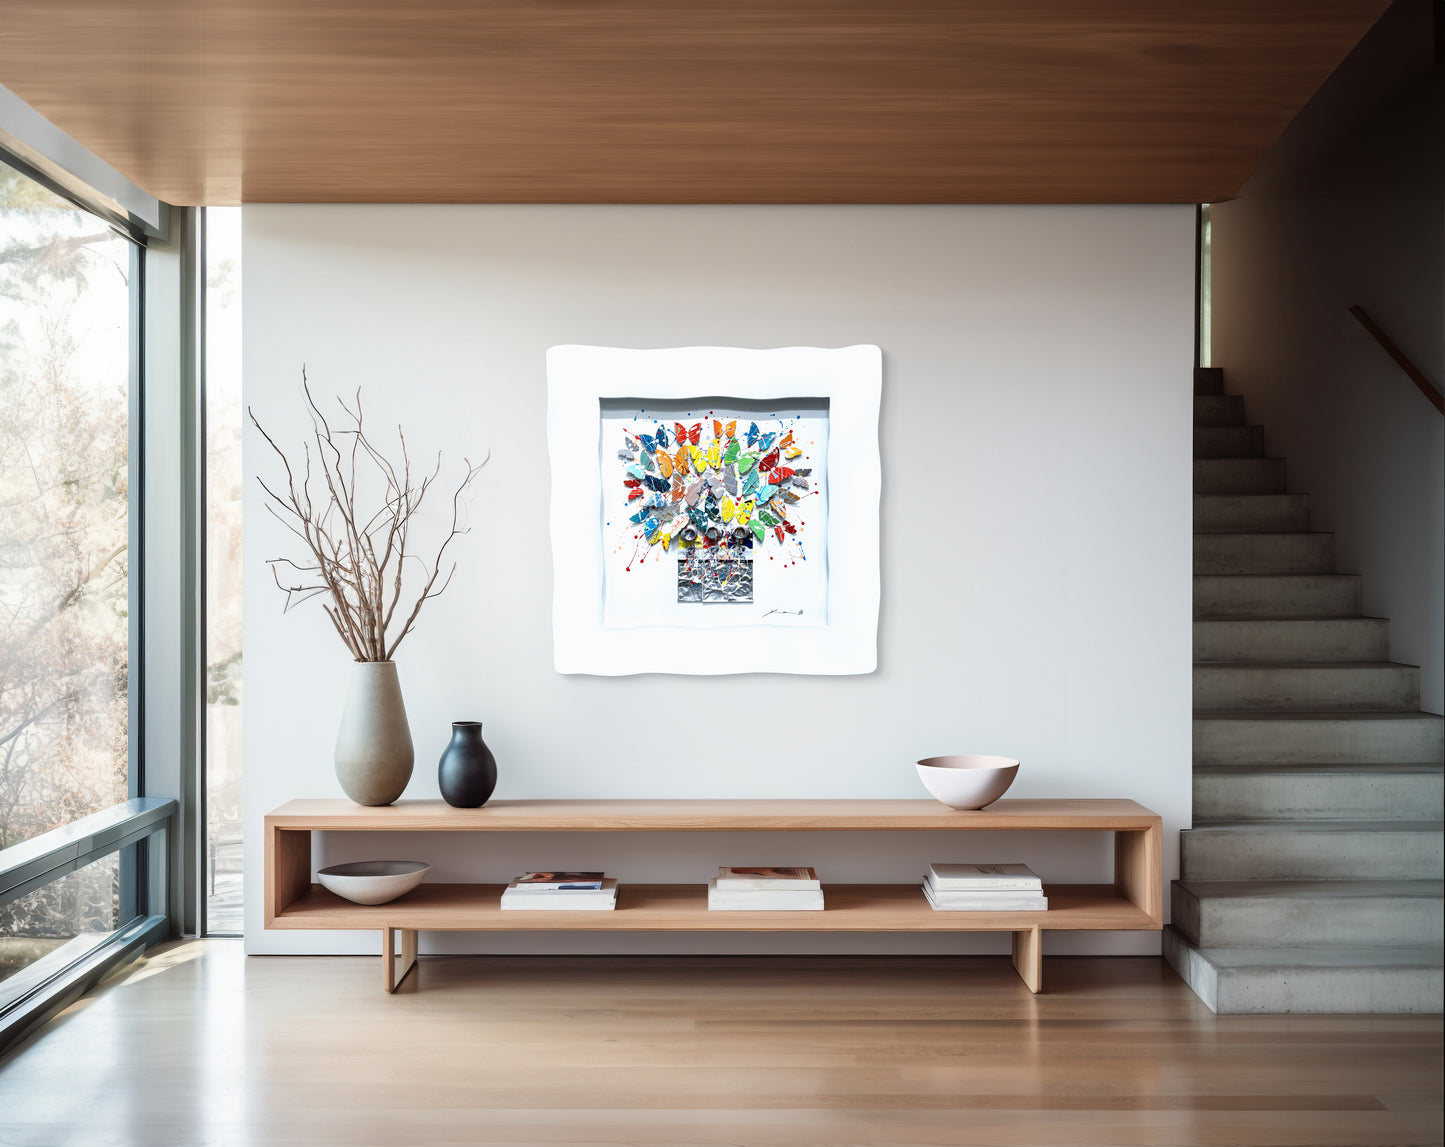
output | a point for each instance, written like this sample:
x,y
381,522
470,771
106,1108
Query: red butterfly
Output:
x,y
770,459
634,494
632,483
789,527
695,434
780,475
779,531
681,432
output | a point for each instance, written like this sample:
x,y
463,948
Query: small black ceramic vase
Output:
x,y
468,771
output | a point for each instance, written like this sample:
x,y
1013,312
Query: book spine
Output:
x,y
770,886
983,884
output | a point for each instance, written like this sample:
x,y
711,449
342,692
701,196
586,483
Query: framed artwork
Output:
x,y
714,509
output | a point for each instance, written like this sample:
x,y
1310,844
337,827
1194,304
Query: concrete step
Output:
x,y
1218,410
1276,596
1292,639
1317,738
1318,792
1208,380
1307,685
1251,513
1229,442
1325,981
1310,913
1264,553
1312,850
1239,476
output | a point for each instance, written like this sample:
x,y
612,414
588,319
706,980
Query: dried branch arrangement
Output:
x,y
355,557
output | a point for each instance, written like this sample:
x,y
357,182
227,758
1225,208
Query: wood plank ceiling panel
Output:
x,y
660,101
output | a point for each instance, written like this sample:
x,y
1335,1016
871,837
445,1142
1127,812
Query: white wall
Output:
x,y
1348,207
1036,522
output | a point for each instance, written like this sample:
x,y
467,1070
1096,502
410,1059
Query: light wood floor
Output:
x,y
199,1046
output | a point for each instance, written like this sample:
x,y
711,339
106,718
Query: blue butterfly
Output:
x,y
752,433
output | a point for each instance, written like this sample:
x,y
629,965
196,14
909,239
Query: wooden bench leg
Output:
x,y
390,978
1029,957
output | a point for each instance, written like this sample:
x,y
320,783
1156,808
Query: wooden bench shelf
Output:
x,y
1134,902
683,908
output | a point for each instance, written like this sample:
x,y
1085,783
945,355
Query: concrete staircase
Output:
x,y
1311,881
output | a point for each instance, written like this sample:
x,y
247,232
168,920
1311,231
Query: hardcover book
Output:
x,y
786,900
981,877
561,900
552,881
767,879
986,901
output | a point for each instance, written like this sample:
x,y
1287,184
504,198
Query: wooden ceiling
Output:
x,y
677,101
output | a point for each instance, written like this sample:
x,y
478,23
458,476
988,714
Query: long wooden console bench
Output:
x,y
1133,902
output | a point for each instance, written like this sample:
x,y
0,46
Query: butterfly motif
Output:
x,y
752,433
681,431
662,436
769,460
716,428
695,434
648,442
732,429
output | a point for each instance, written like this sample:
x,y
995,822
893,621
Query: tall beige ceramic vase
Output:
x,y
374,753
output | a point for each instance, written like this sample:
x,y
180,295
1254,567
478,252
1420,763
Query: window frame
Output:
x,y
156,829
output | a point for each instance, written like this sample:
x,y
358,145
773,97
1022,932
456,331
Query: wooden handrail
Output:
x,y
1416,375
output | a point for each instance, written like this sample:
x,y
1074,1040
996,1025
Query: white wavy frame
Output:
x,y
851,378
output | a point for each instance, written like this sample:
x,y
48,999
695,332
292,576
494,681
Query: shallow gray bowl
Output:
x,y
373,881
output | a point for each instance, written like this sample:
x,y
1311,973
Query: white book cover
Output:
x,y
768,879
585,900
986,902
982,877
796,901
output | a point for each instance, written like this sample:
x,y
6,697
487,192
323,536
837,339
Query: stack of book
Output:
x,y
984,888
562,892
765,890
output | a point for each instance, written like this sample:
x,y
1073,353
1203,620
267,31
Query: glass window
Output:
x,y
64,510
223,570
54,925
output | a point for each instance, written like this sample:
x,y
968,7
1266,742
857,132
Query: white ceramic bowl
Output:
x,y
373,881
967,781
